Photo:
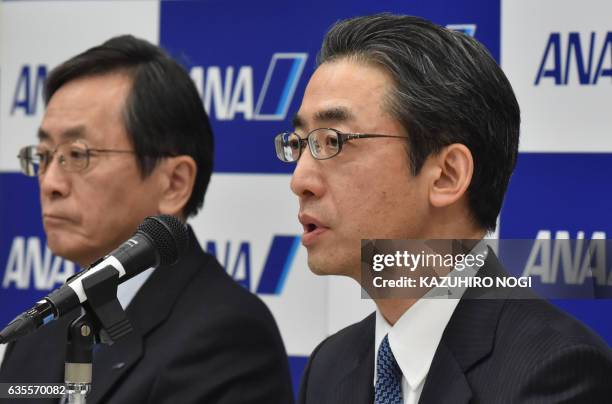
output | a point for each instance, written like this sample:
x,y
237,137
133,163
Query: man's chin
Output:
x,y
67,251
325,267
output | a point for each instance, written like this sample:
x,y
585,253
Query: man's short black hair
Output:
x,y
163,113
448,89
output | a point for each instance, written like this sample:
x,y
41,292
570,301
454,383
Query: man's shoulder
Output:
x,y
522,320
540,351
522,351
212,285
544,327
527,330
208,302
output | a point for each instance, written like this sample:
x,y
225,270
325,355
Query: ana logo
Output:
x,y
29,89
568,261
30,262
228,92
576,58
237,262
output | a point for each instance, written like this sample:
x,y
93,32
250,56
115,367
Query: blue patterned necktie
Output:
x,y
388,388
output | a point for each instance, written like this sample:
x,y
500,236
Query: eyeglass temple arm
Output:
x,y
110,151
348,136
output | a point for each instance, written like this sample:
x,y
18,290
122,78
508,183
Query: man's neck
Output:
x,y
393,309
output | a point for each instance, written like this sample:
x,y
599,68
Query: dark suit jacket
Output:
x,y
492,351
198,337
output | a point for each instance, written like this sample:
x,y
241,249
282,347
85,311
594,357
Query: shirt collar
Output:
x,y
128,289
416,335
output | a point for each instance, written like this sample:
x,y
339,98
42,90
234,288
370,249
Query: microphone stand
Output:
x,y
102,320
78,367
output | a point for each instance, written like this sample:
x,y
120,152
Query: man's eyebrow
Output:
x,y
330,115
43,135
78,132
297,121
334,115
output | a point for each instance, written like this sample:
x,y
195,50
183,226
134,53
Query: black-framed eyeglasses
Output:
x,y
324,143
73,156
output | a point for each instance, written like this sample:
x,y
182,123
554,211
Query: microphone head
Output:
x,y
169,236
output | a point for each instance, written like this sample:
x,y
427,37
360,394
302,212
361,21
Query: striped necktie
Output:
x,y
388,389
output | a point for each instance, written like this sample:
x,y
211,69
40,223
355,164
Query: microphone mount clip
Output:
x,y
102,320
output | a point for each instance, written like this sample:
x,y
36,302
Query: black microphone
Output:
x,y
159,240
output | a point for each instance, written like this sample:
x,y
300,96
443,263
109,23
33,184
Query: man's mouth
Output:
x,y
310,227
313,229
55,219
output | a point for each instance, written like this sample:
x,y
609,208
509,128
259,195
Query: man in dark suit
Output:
x,y
412,133
125,136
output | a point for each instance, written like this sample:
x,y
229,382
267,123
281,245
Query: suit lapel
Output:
x,y
150,307
468,337
446,382
113,362
154,301
356,385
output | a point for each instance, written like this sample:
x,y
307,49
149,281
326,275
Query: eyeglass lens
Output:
x,y
323,144
35,160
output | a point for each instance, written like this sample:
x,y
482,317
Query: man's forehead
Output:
x,y
88,95
86,107
62,124
343,91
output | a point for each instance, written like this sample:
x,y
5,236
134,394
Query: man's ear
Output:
x,y
177,178
454,167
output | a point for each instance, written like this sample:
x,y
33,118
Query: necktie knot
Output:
x,y
388,388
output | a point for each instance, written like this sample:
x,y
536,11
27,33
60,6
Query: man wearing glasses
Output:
x,y
410,131
125,136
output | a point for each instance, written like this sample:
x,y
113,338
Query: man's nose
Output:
x,y
307,180
54,181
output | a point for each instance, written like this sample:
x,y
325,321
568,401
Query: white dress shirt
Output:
x,y
415,337
125,293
